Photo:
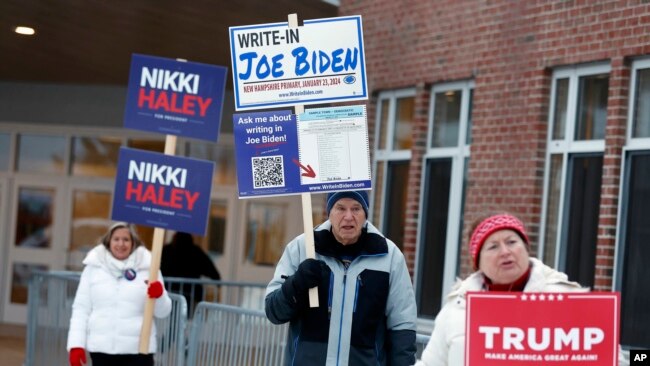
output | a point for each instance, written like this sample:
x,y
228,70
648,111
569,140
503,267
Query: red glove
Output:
x,y
77,357
155,290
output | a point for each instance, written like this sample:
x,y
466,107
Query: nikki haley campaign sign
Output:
x,y
162,190
506,328
175,97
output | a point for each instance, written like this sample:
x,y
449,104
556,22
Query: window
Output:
x,y
574,170
222,154
148,145
5,140
443,193
633,250
95,156
265,234
35,216
217,223
90,218
41,154
395,114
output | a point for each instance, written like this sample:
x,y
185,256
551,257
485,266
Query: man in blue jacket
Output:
x,y
366,313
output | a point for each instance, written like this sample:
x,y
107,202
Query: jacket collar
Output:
x,y
141,257
541,275
371,241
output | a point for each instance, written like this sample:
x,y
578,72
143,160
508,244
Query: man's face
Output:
x,y
347,218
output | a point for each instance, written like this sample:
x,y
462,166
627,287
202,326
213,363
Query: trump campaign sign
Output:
x,y
175,97
275,65
505,328
162,191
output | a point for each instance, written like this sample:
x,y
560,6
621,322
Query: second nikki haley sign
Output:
x,y
162,191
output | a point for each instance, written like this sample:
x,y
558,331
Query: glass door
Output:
x,y
36,240
267,225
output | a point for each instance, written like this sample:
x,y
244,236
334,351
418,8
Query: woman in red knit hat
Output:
x,y
499,250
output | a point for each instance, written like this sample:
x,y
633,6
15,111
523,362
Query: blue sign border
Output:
x,y
212,85
362,61
197,181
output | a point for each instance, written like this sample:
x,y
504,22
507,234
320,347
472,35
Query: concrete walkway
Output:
x,y
12,344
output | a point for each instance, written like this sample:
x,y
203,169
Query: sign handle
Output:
x,y
307,220
156,253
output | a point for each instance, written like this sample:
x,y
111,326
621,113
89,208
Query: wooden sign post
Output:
x,y
307,220
156,253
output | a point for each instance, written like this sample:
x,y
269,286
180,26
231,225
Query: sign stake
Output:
x,y
156,253
307,221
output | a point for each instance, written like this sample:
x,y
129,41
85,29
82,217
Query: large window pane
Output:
x,y
394,219
561,104
5,140
222,155
378,189
383,123
446,118
20,276
635,307
582,219
553,209
95,157
217,222
35,213
265,234
592,107
41,154
90,218
641,122
149,145
433,243
468,136
404,114
318,206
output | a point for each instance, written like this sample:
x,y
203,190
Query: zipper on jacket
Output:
x,y
330,293
338,352
356,293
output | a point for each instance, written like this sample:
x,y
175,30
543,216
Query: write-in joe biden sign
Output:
x,y
320,62
162,191
505,328
175,97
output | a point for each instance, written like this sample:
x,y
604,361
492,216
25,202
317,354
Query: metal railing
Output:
x,y
219,334
48,319
228,335
247,295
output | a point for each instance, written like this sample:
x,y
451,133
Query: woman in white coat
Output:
x,y
499,248
108,308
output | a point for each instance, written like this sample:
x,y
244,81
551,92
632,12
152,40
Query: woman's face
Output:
x,y
503,257
121,243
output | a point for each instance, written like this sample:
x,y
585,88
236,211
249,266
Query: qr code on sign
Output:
x,y
268,171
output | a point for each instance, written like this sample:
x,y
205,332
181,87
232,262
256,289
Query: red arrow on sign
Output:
x,y
309,172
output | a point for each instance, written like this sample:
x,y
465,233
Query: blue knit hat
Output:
x,y
359,196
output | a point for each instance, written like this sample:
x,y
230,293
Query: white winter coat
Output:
x,y
447,344
108,309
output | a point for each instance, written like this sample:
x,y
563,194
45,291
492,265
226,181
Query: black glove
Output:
x,y
308,275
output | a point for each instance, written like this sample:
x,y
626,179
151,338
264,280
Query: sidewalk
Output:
x,y
12,344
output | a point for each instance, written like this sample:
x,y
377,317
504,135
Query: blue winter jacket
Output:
x,y
366,313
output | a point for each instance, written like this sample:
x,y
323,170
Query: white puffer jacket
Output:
x,y
108,309
447,344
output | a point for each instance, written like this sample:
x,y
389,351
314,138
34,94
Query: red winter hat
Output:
x,y
489,226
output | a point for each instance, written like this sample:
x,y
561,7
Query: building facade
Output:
x,y
62,100
538,108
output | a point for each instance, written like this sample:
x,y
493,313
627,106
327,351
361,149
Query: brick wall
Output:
x,y
510,49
